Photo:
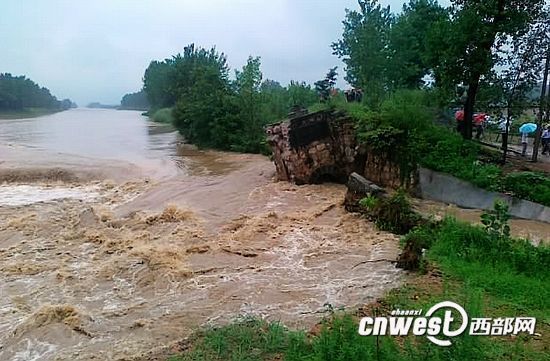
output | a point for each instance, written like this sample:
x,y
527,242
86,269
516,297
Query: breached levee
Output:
x,y
142,265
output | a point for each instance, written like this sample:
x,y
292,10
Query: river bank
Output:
x,y
122,239
28,113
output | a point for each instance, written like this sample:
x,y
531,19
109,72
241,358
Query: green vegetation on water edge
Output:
x,y
164,115
20,94
481,268
27,113
212,110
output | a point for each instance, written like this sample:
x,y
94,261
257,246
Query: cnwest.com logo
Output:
x,y
453,323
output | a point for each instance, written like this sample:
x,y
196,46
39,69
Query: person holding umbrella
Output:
x,y
479,121
525,129
459,117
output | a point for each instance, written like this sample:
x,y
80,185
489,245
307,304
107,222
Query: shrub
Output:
x,y
496,220
459,241
163,115
533,186
393,214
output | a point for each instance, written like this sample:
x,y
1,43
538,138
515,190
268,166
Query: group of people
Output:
x,y
354,95
545,141
481,119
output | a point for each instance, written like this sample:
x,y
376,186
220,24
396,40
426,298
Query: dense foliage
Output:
x,y
18,93
383,51
135,101
403,128
212,110
393,214
447,47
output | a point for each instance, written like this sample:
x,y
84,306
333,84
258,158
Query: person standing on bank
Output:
x,y
546,140
524,140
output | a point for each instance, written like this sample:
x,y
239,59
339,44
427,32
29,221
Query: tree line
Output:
x,y
135,101
488,52
474,53
18,93
211,109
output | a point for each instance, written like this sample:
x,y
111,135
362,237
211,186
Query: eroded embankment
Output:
x,y
139,265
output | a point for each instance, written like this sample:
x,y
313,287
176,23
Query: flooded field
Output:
x,y
112,257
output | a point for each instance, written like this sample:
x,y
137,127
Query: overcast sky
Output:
x,y
98,50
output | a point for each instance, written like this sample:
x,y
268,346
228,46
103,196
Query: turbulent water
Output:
x,y
117,239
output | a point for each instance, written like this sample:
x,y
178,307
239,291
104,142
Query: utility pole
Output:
x,y
543,105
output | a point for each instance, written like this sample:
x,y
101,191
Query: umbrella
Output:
x,y
479,118
528,128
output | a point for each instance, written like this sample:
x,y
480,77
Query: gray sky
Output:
x,y
98,50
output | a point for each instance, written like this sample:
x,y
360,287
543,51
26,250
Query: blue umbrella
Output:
x,y
528,128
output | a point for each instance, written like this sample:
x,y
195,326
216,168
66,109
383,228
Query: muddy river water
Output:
x,y
117,239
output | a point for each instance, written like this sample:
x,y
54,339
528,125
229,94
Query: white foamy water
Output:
x,y
20,195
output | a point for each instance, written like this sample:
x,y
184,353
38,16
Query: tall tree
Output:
x,y
384,52
248,83
157,83
409,60
135,101
520,59
542,31
200,83
468,42
364,48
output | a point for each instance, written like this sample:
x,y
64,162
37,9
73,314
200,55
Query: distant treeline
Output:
x,y
135,101
18,93
212,110
97,105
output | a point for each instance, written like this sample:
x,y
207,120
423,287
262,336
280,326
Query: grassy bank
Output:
x,y
27,113
164,115
405,128
484,270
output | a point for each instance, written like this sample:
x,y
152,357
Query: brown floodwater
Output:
x,y
117,239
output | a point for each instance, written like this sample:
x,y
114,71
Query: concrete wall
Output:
x,y
445,188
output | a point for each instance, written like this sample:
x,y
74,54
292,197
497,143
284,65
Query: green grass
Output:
x,y
27,113
164,115
404,129
488,275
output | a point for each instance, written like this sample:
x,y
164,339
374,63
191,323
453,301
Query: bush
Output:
x,y
408,110
392,214
533,186
163,115
459,241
